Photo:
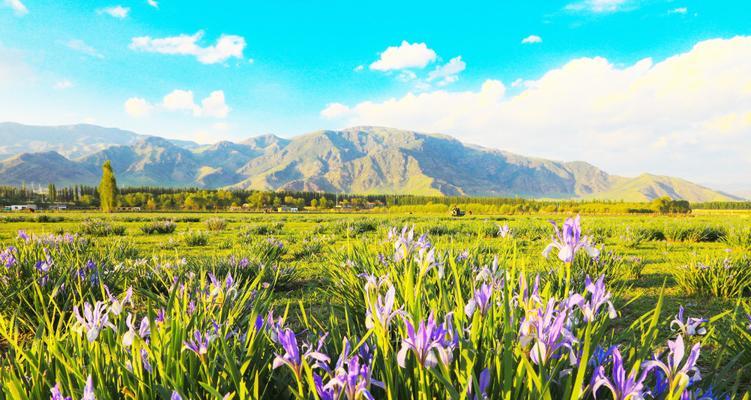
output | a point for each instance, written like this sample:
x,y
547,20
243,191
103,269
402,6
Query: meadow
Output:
x,y
374,305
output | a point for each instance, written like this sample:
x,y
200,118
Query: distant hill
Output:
x,y
71,141
355,160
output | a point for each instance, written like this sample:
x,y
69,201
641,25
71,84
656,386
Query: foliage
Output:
x,y
727,276
108,188
159,227
100,227
216,224
195,238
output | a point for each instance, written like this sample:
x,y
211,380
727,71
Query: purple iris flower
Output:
x,y
526,298
569,241
504,231
325,392
599,296
88,390
601,356
145,360
143,330
56,394
462,256
8,257
621,386
117,305
175,396
382,312
405,243
481,300
351,376
200,343
482,385
675,368
545,327
23,236
159,319
430,343
94,319
689,326
293,357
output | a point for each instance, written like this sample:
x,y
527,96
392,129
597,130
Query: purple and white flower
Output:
x,y
93,321
569,241
430,343
689,326
622,386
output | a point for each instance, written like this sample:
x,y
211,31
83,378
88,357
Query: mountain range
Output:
x,y
355,160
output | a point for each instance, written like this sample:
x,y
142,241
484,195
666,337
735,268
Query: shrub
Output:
x,y
693,233
726,277
100,227
188,219
196,238
159,227
739,238
216,224
48,218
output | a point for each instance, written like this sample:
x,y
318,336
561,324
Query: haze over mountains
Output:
x,y
353,160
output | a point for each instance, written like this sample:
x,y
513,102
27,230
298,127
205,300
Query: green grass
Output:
x,y
662,258
317,245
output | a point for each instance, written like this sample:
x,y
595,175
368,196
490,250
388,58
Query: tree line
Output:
x,y
109,197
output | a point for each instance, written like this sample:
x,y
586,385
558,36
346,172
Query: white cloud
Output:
x,y
227,46
531,39
115,11
406,55
82,47
406,76
180,100
687,115
63,84
138,107
153,3
335,110
679,10
213,105
17,6
598,6
449,72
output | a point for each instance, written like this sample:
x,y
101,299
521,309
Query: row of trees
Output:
x,y
108,197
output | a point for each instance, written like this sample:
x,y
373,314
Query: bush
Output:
x,y
726,277
216,224
693,233
188,219
739,238
48,218
159,227
196,238
260,230
99,227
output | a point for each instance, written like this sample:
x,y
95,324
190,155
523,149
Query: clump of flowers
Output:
x,y
430,343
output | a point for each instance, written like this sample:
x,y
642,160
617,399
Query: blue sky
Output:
x,y
289,67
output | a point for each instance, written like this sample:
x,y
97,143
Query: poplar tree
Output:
x,y
107,188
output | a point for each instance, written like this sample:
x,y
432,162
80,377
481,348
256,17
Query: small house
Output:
x,y
23,207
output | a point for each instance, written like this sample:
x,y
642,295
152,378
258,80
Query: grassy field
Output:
x,y
644,259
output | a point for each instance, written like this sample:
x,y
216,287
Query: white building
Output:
x,y
23,207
